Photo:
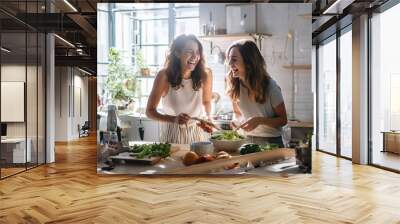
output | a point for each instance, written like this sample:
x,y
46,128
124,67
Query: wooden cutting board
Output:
x,y
130,157
254,158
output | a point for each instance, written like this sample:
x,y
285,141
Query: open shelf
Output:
x,y
232,37
300,66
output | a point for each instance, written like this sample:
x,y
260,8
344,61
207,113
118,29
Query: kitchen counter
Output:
x,y
300,124
276,161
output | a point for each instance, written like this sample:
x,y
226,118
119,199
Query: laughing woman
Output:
x,y
184,88
256,98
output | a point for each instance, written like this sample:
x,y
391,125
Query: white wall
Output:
x,y
278,20
67,114
34,124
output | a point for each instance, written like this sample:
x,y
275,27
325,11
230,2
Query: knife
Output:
x,y
206,122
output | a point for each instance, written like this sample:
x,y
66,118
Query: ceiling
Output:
x,y
77,25
330,15
76,22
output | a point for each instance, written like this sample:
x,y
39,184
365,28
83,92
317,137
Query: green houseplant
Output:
x,y
141,63
120,83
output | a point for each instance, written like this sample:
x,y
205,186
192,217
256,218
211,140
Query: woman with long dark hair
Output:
x,y
256,98
184,86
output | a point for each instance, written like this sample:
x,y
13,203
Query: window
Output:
x,y
327,96
346,94
144,30
385,86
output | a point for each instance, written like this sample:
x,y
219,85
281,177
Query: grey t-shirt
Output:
x,y
250,108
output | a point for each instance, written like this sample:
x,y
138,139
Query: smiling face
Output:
x,y
189,56
236,63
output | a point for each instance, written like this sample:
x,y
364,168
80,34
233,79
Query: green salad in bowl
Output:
x,y
227,135
229,141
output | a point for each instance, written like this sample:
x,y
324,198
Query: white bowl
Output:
x,y
202,148
228,145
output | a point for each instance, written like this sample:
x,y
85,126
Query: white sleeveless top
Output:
x,y
183,100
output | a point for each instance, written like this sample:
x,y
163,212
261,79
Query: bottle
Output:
x,y
112,118
212,29
141,130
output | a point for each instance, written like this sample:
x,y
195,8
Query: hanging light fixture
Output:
x,y
70,5
5,50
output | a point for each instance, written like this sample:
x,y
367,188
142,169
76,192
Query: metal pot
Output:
x,y
224,124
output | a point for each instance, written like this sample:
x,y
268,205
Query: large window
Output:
x,y
346,94
143,33
334,106
327,96
385,88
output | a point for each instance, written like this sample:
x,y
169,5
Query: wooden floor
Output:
x,y
387,159
70,191
10,171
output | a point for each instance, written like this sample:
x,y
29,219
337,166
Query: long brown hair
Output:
x,y
256,72
173,63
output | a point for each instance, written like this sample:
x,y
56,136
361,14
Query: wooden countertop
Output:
x,y
300,124
173,164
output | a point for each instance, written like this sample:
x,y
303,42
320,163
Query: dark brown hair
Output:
x,y
256,72
173,63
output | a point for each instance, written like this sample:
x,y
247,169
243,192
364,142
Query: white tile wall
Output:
x,y
278,20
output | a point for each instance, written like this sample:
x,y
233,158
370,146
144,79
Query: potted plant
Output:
x,y
120,83
141,63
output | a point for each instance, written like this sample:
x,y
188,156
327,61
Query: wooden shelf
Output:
x,y
232,37
300,67
146,77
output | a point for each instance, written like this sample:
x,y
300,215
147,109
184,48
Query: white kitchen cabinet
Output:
x,y
131,126
151,130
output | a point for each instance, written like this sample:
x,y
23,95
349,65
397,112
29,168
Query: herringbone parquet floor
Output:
x,y
70,191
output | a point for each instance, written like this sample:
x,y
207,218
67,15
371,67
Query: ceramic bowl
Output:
x,y
202,148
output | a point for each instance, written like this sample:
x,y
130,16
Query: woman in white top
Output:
x,y
256,98
184,86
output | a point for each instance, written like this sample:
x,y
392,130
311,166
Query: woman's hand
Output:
x,y
207,128
235,124
251,123
182,118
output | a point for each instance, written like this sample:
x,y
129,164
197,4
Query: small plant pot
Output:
x,y
145,71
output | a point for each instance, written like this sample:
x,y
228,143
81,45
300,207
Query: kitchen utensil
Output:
x,y
237,128
206,122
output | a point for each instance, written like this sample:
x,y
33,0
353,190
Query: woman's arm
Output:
x,y
278,106
207,92
278,121
160,88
